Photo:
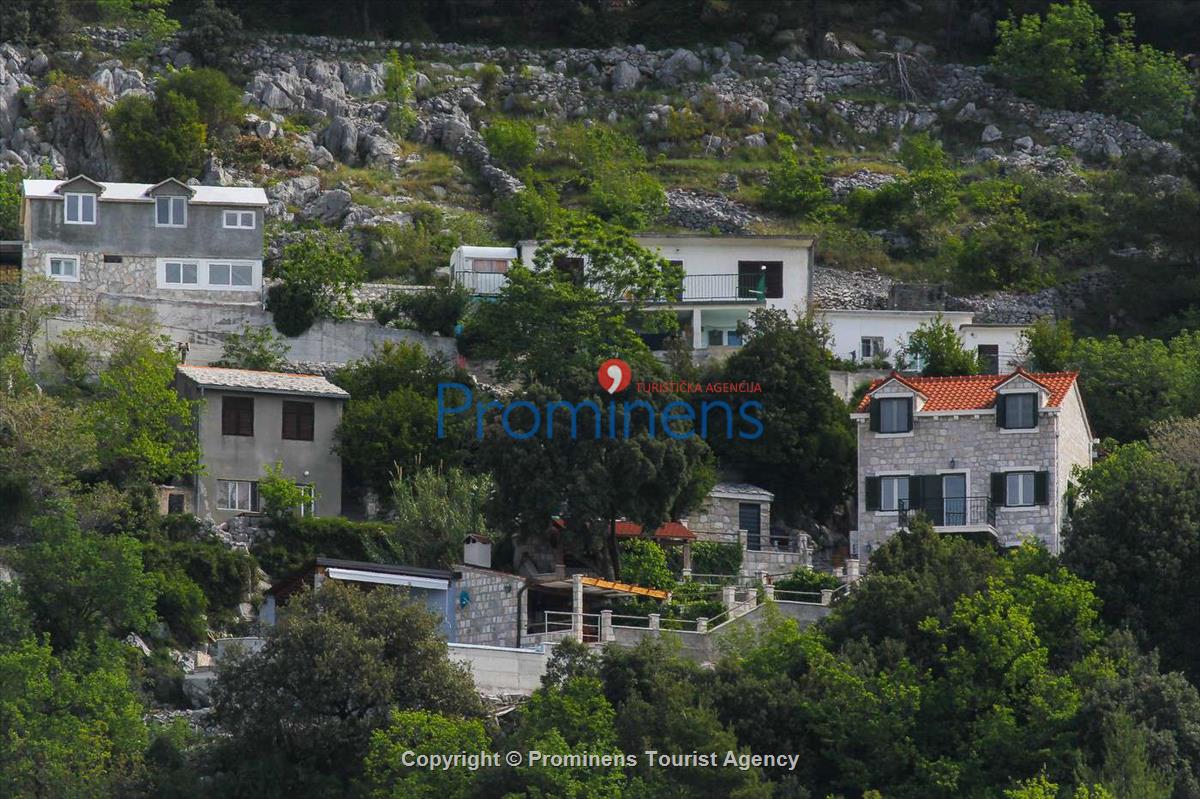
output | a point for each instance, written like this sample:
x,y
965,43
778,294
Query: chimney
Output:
x,y
477,551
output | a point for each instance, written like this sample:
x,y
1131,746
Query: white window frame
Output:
x,y
1009,494
204,274
79,196
171,207
223,493
181,283
239,216
308,507
872,343
895,480
52,257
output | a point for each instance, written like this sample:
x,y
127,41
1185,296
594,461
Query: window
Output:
x,y
80,209
175,503
237,416
895,415
298,421
239,219
870,347
716,338
237,495
1018,489
571,266
62,267
989,358
218,274
113,259
181,273
893,493
489,266
307,508
750,520
733,338
758,279
1017,411
170,211
242,275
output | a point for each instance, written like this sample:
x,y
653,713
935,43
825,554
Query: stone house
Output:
x,y
167,241
249,420
981,454
740,513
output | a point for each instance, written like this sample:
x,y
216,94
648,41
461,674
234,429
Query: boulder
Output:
x,y
360,80
266,129
755,140
625,76
990,134
341,138
680,65
330,207
297,191
1024,144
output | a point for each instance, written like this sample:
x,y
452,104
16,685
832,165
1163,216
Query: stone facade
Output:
x,y
134,278
970,443
718,521
490,615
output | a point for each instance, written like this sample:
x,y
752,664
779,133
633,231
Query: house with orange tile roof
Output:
x,y
983,454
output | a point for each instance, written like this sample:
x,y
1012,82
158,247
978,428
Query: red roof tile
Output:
x,y
675,531
974,392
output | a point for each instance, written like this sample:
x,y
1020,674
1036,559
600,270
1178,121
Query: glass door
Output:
x,y
954,499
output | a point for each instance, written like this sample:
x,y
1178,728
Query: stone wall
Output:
x,y
490,616
978,448
717,519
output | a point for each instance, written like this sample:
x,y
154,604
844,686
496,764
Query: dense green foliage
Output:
x,y
512,141
254,348
437,310
159,138
10,203
218,101
793,187
319,271
937,348
210,32
435,511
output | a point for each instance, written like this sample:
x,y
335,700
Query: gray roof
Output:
x,y
261,382
741,489
139,192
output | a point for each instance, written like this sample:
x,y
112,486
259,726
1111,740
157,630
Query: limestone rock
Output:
x,y
330,207
625,76
990,134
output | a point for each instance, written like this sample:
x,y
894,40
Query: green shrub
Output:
x,y
160,138
210,33
218,101
1047,345
793,187
254,348
511,141
299,540
936,347
413,253
710,557
613,169
643,562
489,80
320,271
436,311
808,580
293,309
181,605
281,497
398,79
10,203
1051,60
530,213
1146,86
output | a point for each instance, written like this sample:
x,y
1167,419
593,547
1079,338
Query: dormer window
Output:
x,y
170,211
79,208
892,414
1017,411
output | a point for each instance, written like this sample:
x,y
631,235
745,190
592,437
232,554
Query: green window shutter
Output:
x,y
911,404
931,494
916,497
999,488
874,408
873,493
1000,410
1041,488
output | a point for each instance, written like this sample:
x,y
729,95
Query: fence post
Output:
x,y
687,574
606,627
577,607
729,596
654,619
826,596
851,569
702,625
768,593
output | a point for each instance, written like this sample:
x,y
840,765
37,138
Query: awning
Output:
x,y
383,578
624,588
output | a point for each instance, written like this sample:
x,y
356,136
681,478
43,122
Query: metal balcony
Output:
x,y
723,288
480,283
962,513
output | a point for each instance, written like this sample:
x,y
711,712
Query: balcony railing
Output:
x,y
951,511
723,288
480,282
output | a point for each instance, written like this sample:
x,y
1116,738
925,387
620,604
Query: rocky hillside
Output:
x,y
710,119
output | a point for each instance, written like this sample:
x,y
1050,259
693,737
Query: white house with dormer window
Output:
x,y
980,454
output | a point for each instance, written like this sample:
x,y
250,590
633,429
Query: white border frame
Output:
x,y
63,256
202,265
172,223
253,219
95,207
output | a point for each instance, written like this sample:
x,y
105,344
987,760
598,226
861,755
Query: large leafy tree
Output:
x,y
937,347
806,452
426,734
159,138
390,420
302,710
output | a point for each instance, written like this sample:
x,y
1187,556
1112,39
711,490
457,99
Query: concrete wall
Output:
x,y
845,383
203,326
1075,446
502,670
245,457
848,327
490,616
127,228
1006,338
